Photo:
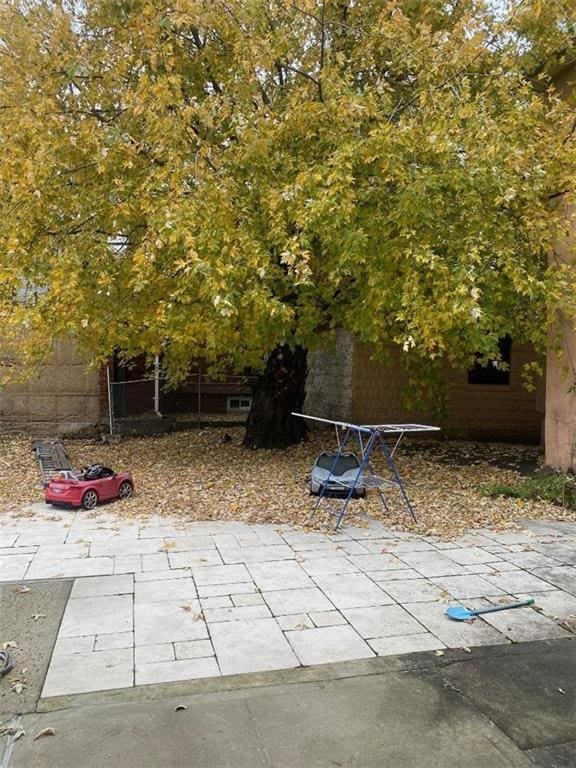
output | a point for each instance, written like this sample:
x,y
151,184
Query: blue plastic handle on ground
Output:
x,y
463,614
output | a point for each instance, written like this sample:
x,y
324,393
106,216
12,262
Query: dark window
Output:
x,y
492,373
239,403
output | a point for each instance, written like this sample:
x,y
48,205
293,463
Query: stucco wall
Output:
x,y
560,432
63,400
476,411
560,437
329,381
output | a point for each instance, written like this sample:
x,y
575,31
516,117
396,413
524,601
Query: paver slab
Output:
x,y
431,563
279,575
165,589
13,567
126,547
563,577
54,568
352,590
454,634
379,562
167,622
251,645
517,581
105,614
194,558
556,604
322,645
563,552
284,601
390,646
114,641
295,621
177,542
150,654
382,621
181,669
462,587
318,566
327,618
193,649
220,574
258,554
524,624
83,672
94,586
236,613
414,591
470,556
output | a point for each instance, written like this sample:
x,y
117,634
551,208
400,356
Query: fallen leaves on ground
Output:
x,y
198,477
44,732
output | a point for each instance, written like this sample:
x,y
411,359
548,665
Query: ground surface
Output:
x,y
500,707
198,476
168,599
286,646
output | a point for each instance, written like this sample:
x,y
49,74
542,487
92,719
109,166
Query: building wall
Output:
x,y
63,400
373,394
560,431
560,435
329,381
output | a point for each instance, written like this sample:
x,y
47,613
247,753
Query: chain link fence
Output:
x,y
149,405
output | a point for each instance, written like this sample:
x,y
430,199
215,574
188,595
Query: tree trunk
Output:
x,y
278,391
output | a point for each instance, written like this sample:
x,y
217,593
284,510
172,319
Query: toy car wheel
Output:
x,y
90,499
125,490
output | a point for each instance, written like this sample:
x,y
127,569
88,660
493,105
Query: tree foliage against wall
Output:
x,y
218,177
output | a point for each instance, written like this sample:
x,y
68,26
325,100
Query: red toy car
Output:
x,y
89,486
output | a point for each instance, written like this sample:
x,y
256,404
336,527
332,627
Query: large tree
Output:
x,y
236,179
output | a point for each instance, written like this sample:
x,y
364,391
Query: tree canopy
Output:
x,y
217,177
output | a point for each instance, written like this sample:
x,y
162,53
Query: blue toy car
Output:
x,y
342,477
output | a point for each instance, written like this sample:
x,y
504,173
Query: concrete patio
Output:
x,y
163,599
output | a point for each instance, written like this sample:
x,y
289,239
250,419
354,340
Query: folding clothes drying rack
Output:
x,y
368,437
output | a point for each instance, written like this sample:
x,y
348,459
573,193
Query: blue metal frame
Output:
x,y
375,440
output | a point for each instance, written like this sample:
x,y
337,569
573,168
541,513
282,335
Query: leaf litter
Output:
x,y
196,476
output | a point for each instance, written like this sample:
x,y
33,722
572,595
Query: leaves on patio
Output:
x,y
44,732
218,481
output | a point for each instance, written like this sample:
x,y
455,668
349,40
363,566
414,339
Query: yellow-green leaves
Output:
x,y
215,178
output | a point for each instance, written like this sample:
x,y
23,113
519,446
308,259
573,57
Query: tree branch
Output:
x,y
313,79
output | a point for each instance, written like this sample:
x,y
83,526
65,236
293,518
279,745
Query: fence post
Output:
x,y
110,401
199,396
157,386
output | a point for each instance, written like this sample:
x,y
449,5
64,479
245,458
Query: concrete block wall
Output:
x,y
329,381
64,399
